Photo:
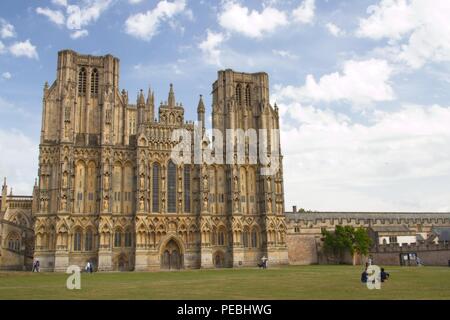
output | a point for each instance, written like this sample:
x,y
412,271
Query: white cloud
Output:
x,y
62,3
251,23
54,16
360,83
284,54
6,29
145,25
6,75
20,170
79,34
305,12
334,30
76,17
396,162
418,29
210,47
2,47
24,49
79,17
135,1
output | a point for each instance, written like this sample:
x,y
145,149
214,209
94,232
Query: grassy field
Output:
x,y
293,282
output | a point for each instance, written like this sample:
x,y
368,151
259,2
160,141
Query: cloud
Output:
x,y
134,1
6,75
145,25
305,12
20,170
334,30
251,23
79,34
398,161
6,29
24,49
79,17
210,47
54,16
2,48
284,54
62,3
418,30
359,83
76,17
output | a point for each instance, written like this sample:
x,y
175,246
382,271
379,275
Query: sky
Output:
x,y
362,85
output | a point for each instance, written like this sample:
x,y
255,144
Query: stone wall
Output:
x,y
430,255
302,249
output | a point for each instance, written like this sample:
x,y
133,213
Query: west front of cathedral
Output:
x,y
110,193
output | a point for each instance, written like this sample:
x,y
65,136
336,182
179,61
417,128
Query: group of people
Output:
x,y
263,263
36,266
89,267
365,275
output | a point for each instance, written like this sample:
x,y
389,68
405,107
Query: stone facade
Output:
x,y
109,192
16,230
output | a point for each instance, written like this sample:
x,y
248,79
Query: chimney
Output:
x,y
294,209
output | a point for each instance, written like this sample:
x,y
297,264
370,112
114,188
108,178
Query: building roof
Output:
x,y
366,215
400,228
443,233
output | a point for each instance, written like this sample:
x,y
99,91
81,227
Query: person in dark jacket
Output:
x,y
384,275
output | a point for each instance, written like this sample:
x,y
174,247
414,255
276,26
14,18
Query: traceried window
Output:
x,y
187,188
238,94
155,188
221,240
128,239
82,82
171,187
247,96
14,242
77,241
117,239
254,239
94,82
88,241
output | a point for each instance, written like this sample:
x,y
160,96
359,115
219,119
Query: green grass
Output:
x,y
293,282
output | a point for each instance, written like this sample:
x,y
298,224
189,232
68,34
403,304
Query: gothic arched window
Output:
x,y
88,241
155,188
94,82
187,188
117,239
238,94
221,240
82,82
14,242
171,187
77,241
128,239
247,96
254,239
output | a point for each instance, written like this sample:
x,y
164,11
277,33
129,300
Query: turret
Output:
x,y
150,106
171,100
140,102
201,112
4,194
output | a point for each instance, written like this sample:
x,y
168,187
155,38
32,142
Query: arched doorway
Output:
x,y
219,259
171,257
122,263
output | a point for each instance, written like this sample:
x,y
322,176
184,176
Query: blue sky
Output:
x,y
363,86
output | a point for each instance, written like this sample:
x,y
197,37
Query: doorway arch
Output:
x,y
171,256
219,259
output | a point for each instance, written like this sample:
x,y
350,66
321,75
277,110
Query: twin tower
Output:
x,y
110,193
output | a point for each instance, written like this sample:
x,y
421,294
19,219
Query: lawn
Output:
x,y
293,282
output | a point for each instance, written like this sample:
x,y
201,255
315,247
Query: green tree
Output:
x,y
346,239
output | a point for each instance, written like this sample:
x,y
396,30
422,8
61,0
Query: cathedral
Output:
x,y
110,193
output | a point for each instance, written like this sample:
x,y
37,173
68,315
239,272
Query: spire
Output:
x,y
201,112
150,105
201,105
171,100
141,99
149,96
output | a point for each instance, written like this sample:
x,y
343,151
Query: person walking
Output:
x,y
88,267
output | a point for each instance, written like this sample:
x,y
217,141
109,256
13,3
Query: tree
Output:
x,y
346,239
